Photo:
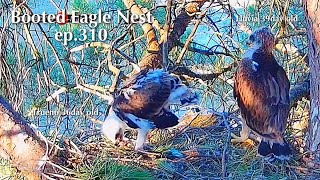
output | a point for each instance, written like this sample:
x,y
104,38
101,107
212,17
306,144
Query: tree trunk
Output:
x,y
312,11
153,59
19,143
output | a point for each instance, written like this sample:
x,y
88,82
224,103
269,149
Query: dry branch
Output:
x,y
107,48
34,50
164,36
205,51
190,38
154,59
56,94
226,147
182,21
181,70
94,90
91,44
153,45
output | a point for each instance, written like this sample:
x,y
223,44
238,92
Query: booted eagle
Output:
x,y
143,103
262,93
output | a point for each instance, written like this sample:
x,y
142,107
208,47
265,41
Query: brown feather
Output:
x,y
148,100
262,97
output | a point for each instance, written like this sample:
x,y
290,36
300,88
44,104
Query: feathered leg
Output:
x,y
113,128
110,129
244,134
142,136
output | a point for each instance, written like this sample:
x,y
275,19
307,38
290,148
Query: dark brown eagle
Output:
x,y
143,103
262,93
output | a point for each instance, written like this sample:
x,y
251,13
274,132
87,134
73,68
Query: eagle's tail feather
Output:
x,y
279,151
264,148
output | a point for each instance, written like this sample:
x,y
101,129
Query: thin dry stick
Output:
x,y
35,52
95,92
165,50
49,43
183,128
191,36
131,42
55,5
56,94
116,72
148,30
91,44
189,40
124,55
56,132
226,147
107,49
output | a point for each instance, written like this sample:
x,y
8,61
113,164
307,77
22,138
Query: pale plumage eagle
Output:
x,y
262,92
143,103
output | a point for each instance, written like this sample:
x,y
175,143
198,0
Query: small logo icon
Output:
x,y
62,17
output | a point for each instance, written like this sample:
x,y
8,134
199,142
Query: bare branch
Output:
x,y
206,51
181,70
190,38
166,28
182,21
91,90
153,45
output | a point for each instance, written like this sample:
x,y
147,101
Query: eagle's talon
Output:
x,y
234,136
241,139
238,139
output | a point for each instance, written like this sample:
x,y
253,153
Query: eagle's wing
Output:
x,y
263,99
145,95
